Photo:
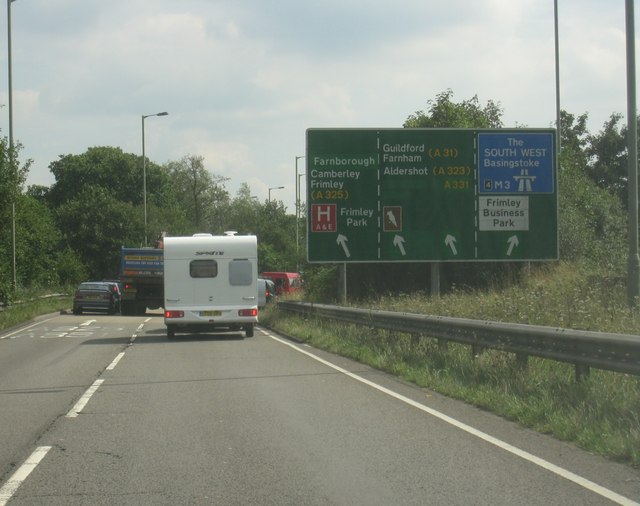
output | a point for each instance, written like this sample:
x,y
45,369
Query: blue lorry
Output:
x,y
141,275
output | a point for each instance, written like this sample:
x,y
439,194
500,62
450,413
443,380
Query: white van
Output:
x,y
266,292
210,283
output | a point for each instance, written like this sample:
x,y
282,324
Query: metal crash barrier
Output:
x,y
584,349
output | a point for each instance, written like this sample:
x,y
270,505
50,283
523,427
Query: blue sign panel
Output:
x,y
513,162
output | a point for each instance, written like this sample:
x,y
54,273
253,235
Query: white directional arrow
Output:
x,y
398,241
392,219
342,241
513,241
451,242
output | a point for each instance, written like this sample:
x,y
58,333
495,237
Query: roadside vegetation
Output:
x,y
29,304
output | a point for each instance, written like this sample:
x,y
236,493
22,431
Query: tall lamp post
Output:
x,y
274,188
144,172
633,272
297,183
298,223
11,157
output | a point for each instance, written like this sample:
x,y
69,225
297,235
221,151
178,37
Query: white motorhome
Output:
x,y
210,283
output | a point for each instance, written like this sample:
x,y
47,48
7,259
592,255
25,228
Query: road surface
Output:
x,y
99,409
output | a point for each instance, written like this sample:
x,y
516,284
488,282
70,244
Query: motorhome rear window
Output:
x,y
203,268
240,272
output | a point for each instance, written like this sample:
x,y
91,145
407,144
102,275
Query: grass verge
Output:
x,y
30,304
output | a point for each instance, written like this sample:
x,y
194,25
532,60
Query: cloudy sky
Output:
x,y
243,79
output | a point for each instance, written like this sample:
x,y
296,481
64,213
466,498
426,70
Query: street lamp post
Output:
x,y
297,183
144,172
633,272
274,188
11,157
298,223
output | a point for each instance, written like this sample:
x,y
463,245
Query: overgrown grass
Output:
x,y
601,413
27,304
558,295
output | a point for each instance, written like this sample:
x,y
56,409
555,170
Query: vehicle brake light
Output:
x,y
248,312
174,314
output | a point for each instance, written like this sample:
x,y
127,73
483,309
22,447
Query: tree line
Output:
x,y
73,229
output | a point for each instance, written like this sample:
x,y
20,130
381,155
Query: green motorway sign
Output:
x,y
394,195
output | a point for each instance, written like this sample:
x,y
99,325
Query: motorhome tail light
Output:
x,y
174,314
248,312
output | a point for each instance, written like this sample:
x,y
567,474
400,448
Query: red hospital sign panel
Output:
x,y
324,217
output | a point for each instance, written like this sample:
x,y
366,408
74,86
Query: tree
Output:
x,y
95,225
574,136
592,223
12,178
199,193
444,113
120,176
110,168
243,212
608,157
270,222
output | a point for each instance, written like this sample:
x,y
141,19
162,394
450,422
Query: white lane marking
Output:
x,y
578,480
82,402
24,328
113,364
13,484
135,334
78,334
87,323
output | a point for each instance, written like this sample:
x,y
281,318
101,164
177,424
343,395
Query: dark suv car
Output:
x,y
95,296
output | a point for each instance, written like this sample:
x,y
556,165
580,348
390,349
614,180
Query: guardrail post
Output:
x,y
522,360
582,371
476,350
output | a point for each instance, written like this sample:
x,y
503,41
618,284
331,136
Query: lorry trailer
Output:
x,y
141,272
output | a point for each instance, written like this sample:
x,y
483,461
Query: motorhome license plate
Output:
x,y
210,313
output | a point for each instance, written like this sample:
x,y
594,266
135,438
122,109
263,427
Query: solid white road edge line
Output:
x,y
82,402
579,480
11,486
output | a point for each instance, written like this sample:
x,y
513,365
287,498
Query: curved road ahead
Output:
x,y
99,409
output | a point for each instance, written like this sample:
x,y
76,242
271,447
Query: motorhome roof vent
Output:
x,y
202,234
230,232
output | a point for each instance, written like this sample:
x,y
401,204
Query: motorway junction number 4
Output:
x,y
393,195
